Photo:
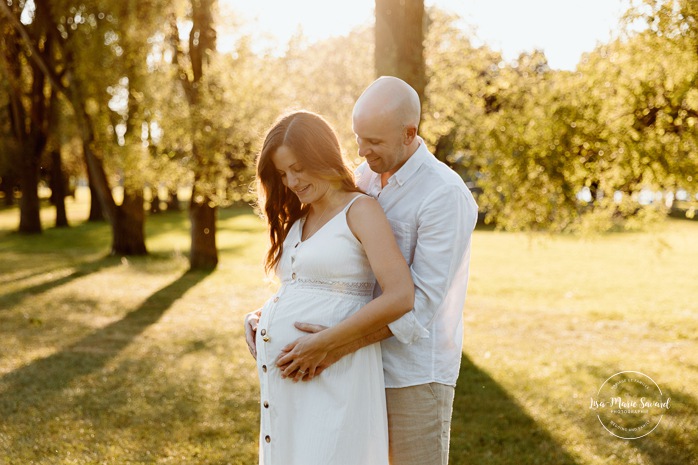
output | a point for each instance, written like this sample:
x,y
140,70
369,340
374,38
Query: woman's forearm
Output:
x,y
370,318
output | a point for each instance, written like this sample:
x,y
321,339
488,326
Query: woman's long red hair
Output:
x,y
315,145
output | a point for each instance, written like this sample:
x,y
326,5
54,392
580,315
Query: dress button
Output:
x,y
264,332
276,299
266,404
264,368
266,338
267,438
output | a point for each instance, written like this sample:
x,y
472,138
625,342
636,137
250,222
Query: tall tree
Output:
x,y
202,207
30,109
400,41
57,177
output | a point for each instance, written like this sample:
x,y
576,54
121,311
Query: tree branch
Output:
x,y
34,53
177,55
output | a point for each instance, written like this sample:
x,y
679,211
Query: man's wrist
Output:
x,y
327,340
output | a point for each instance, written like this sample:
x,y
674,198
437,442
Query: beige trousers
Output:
x,y
419,424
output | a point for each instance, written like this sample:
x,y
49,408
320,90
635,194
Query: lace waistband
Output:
x,y
359,289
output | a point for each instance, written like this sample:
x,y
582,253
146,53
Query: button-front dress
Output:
x,y
339,417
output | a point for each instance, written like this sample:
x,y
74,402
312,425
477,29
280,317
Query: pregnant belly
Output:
x,y
278,318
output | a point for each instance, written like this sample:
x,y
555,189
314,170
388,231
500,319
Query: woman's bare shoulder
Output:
x,y
364,205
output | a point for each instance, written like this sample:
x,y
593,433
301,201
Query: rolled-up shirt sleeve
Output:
x,y
446,220
407,329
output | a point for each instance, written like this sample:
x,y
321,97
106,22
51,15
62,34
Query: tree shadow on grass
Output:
x,y
674,440
35,384
13,298
28,273
489,427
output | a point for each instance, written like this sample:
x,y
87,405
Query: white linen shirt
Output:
x,y
432,214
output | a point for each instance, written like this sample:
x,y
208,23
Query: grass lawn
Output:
x,y
108,360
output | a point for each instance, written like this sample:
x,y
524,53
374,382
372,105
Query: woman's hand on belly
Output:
x,y
304,357
333,356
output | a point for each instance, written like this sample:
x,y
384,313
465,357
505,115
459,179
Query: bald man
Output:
x,y
432,214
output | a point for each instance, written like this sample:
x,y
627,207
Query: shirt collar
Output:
x,y
412,164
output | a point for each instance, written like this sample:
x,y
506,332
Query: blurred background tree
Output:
x,y
399,36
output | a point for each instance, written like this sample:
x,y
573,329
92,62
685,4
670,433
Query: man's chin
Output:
x,y
375,167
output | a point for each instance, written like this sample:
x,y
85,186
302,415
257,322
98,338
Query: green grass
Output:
x,y
112,361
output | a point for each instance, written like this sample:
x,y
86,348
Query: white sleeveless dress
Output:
x,y
339,417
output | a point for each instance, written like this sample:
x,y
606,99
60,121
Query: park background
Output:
x,y
129,251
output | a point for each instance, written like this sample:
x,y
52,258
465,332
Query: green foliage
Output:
x,y
566,151
326,77
235,109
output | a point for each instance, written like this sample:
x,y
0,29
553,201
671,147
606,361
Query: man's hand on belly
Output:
x,y
331,358
251,323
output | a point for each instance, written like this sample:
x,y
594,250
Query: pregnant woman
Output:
x,y
330,244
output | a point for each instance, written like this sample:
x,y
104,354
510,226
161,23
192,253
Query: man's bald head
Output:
x,y
385,121
390,97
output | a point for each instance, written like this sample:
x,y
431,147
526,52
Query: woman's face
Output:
x,y
296,177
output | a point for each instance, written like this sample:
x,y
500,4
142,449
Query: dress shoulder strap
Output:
x,y
351,202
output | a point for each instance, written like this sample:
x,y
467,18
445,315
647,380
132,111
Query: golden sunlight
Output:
x,y
563,29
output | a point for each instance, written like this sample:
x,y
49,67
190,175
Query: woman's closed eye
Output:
x,y
294,169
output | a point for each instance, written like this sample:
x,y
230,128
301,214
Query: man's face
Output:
x,y
380,142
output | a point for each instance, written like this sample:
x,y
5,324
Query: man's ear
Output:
x,y
409,133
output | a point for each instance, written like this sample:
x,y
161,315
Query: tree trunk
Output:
x,y
34,145
31,138
203,254
202,212
29,207
96,213
444,147
99,184
8,189
399,48
58,189
127,220
155,202
173,201
128,228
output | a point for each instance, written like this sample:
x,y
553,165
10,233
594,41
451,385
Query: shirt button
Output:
x,y
267,438
266,404
293,276
264,368
264,332
276,299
